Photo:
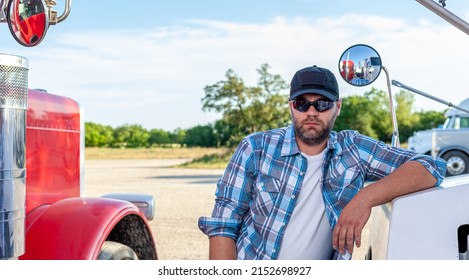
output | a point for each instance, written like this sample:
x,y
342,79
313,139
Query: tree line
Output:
x,y
248,109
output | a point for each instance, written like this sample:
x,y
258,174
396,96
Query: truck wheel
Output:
x,y
116,251
457,163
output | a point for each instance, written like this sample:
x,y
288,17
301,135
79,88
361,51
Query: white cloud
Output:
x,y
155,76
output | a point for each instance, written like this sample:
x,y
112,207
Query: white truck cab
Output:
x,y
428,225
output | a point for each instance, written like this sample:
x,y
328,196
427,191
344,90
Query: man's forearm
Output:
x,y
408,178
222,248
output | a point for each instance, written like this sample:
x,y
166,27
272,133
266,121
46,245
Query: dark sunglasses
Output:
x,y
320,105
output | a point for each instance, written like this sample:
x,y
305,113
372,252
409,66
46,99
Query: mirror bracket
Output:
x,y
3,8
52,14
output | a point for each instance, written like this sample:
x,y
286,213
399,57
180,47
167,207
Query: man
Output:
x,y
298,192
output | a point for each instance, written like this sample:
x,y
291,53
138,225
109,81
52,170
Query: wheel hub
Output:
x,y
455,165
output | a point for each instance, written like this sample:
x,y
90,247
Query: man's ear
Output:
x,y
339,106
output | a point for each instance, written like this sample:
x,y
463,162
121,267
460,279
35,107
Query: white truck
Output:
x,y
449,141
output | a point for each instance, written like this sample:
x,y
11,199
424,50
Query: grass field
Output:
x,y
200,157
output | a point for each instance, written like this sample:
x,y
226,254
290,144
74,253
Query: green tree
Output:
x,y
158,137
380,111
370,114
97,135
429,119
200,136
356,114
406,117
248,109
131,136
223,131
177,136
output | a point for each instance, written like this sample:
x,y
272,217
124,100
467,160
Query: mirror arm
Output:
x,y
395,133
399,84
445,14
64,15
53,18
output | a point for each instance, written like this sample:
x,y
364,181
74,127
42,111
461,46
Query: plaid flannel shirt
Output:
x,y
256,195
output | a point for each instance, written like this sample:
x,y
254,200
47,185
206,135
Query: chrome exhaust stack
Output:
x,y
13,108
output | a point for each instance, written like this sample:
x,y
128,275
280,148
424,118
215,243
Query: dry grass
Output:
x,y
151,153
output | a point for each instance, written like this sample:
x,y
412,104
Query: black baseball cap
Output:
x,y
315,80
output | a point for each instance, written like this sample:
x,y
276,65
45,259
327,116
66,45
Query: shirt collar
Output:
x,y
333,144
290,147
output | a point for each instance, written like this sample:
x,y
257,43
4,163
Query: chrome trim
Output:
x,y
13,107
82,150
144,202
446,15
13,61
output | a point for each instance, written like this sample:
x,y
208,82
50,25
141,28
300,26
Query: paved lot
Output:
x,y
181,196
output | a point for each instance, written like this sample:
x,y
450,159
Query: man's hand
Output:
x,y
352,220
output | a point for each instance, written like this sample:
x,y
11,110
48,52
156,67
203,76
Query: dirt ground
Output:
x,y
181,197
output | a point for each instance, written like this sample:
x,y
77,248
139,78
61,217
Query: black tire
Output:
x,y
457,163
116,251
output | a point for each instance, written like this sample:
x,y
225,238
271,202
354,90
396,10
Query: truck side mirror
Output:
x,y
28,21
360,65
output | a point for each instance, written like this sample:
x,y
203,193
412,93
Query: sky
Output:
x,y
149,63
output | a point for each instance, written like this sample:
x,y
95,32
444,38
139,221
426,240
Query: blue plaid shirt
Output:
x,y
256,195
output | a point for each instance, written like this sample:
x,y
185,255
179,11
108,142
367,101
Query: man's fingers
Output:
x,y
350,238
342,239
358,237
345,239
335,236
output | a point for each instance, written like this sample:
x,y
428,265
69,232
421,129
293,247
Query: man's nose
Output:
x,y
312,111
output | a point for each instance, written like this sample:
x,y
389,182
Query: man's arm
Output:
x,y
412,176
222,248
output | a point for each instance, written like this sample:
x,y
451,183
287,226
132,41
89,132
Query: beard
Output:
x,y
315,135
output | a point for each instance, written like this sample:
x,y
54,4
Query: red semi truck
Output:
x,y
43,211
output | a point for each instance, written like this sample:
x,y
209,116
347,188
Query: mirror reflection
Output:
x,y
360,65
27,20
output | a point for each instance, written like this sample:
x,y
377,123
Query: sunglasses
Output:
x,y
320,105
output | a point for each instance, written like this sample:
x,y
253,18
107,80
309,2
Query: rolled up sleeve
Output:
x,y
435,165
233,195
219,227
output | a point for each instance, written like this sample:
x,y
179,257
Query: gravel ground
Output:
x,y
181,197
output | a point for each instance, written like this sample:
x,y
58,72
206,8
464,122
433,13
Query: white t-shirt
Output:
x,y
308,235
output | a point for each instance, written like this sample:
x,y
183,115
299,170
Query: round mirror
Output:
x,y
360,65
28,21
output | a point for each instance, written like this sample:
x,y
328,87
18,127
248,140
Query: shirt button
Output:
x,y
273,250
302,173
293,196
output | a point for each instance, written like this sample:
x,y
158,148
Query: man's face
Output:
x,y
313,127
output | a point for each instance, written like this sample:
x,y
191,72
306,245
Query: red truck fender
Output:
x,y
76,228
